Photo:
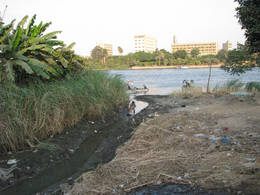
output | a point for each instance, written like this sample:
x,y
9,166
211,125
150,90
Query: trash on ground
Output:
x,y
11,161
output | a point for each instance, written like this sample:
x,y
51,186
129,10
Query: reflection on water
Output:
x,y
165,81
140,105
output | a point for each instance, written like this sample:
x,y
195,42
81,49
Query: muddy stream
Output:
x,y
100,146
97,149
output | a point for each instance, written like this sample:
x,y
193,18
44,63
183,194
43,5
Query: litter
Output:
x,y
225,140
6,173
199,135
11,161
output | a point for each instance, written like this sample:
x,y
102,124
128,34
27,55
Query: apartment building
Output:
x,y
227,46
108,47
205,48
145,43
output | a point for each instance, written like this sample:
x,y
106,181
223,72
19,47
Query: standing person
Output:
x,y
131,109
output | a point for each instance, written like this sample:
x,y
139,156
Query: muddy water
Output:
x,y
96,149
66,169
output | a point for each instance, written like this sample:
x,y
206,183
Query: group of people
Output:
x,y
130,86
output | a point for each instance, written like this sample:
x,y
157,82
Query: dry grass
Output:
x,y
193,91
176,148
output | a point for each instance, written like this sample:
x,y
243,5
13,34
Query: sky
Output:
x,y
88,22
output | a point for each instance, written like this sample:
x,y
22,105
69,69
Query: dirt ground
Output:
x,y
209,142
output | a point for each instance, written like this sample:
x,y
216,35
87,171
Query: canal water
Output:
x,y
165,81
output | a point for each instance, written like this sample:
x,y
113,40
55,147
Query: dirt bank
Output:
x,y
209,142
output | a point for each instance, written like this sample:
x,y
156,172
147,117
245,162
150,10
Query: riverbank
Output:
x,y
175,140
177,66
209,142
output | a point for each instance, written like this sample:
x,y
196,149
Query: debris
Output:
x,y
250,159
71,150
199,135
186,175
214,141
249,164
91,122
6,173
179,178
228,154
225,128
11,161
225,140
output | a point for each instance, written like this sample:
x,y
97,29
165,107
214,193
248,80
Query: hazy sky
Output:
x,y
88,22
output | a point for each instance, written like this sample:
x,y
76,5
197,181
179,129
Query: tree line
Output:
x,y
243,58
99,58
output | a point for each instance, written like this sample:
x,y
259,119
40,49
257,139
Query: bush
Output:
x,y
44,109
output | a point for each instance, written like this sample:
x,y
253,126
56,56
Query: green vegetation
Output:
x,y
157,58
253,86
239,60
248,14
237,85
29,54
40,110
246,57
99,54
44,86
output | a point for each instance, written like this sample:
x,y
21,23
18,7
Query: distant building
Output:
x,y
204,48
227,46
145,43
108,47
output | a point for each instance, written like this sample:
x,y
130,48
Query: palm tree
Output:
x,y
160,56
120,50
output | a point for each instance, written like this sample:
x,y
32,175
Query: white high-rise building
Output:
x,y
145,43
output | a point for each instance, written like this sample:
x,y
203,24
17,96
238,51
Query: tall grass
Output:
x,y
253,86
37,111
229,86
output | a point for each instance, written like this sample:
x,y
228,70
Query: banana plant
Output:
x,y
27,52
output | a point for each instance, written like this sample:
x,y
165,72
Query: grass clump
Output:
x,y
253,86
186,92
35,112
228,87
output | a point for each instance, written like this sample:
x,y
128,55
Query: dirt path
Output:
x,y
209,142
